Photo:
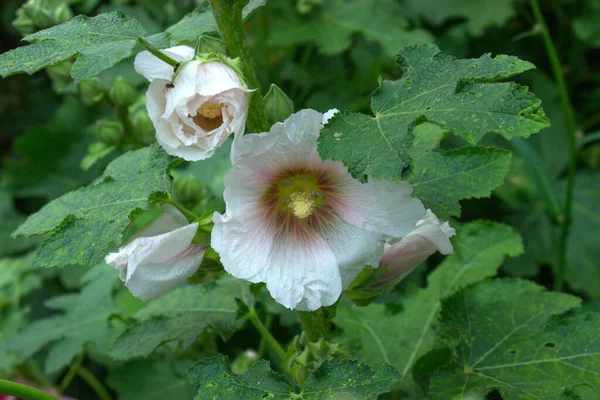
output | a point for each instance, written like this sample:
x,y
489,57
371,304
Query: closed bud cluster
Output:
x,y
110,131
35,15
121,93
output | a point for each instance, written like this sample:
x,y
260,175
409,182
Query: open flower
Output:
x,y
195,112
428,236
160,257
302,225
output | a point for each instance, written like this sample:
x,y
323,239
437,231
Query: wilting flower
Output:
x,y
195,112
302,225
427,237
160,257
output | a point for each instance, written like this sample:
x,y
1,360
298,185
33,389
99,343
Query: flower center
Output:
x,y
209,116
299,194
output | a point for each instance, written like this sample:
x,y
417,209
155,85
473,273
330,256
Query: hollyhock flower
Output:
x,y
195,112
304,226
160,257
428,236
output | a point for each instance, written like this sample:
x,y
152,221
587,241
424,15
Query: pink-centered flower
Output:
x,y
428,236
304,226
197,109
160,256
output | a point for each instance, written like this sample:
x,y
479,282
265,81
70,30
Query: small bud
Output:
x,y
143,127
187,190
40,15
244,361
208,44
91,91
277,104
24,24
122,93
59,73
62,14
109,131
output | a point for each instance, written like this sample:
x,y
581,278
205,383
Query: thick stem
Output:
x,y
264,332
565,222
94,383
315,324
157,53
228,15
23,392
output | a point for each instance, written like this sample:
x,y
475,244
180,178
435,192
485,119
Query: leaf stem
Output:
x,y
565,221
264,332
94,383
71,372
159,54
228,15
263,342
188,214
23,391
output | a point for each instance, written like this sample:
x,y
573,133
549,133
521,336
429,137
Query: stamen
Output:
x,y
209,109
301,204
209,115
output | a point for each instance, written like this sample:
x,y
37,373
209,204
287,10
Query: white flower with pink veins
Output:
x,y
304,226
195,112
160,256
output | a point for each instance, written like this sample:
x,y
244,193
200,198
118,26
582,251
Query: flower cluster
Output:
x,y
302,225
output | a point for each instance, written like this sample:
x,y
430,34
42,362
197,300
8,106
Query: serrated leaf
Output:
x,y
335,379
84,321
332,25
505,344
460,95
98,43
479,14
84,223
442,178
375,335
155,379
182,315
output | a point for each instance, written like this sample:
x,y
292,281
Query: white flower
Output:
x,y
203,106
428,236
160,257
304,226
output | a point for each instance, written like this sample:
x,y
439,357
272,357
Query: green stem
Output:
x,y
264,332
572,141
36,373
159,54
94,383
315,324
228,15
23,391
263,343
71,372
188,214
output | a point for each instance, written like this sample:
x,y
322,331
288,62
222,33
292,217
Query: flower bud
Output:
x,y
40,14
121,93
91,91
187,190
244,361
24,24
62,14
110,131
278,105
59,73
143,127
208,44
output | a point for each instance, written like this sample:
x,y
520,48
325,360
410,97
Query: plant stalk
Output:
x,y
228,15
264,332
94,383
565,221
159,54
71,372
188,214
23,391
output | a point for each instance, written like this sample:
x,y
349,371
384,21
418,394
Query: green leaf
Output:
x,y
332,27
335,379
587,29
17,279
479,14
83,224
377,335
504,343
457,95
154,379
97,44
182,315
11,219
84,320
442,178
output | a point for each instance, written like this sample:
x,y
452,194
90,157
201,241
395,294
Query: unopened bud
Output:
x,y
187,190
278,105
110,131
91,91
40,15
209,44
122,93
62,14
143,127
24,24
59,73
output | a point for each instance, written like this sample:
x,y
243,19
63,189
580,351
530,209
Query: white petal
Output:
x,y
151,67
215,77
329,114
184,87
171,219
430,228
